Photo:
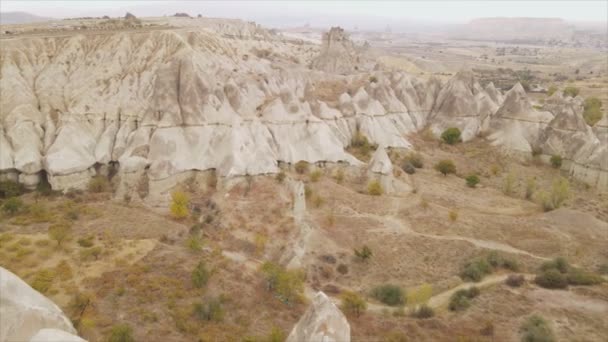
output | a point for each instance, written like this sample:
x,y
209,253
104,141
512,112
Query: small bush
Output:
x,y
361,145
374,188
420,295
301,167
317,201
10,189
315,176
339,176
476,270
593,111
508,184
556,161
408,168
536,329
179,205
560,191
530,187
364,253
200,275
453,215
558,263
342,269
194,243
352,303
121,333
451,136
571,91
472,181
424,311
389,294
99,184
210,310
580,277
515,280
461,299
280,177
552,279
13,205
86,242
91,253
43,281
60,232
552,89
288,285
445,166
415,159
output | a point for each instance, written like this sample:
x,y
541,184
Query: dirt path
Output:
x,y
394,225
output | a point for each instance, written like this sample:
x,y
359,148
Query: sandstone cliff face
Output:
x,y
164,102
26,314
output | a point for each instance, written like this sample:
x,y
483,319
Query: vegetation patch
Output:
x,y
461,299
389,294
536,329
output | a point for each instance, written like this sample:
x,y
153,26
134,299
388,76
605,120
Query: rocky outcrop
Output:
x,y
380,162
322,322
516,126
26,314
338,53
164,103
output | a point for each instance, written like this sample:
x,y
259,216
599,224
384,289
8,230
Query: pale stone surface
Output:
x,y
322,322
231,96
24,311
55,335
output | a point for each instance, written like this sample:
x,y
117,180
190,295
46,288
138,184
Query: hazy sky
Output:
x,y
300,12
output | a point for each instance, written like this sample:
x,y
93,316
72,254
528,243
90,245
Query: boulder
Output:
x,y
322,322
24,311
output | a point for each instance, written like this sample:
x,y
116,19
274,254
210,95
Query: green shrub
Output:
x,y
461,299
445,166
476,270
472,181
288,285
280,177
558,263
552,89
536,329
580,277
194,243
374,188
301,167
200,275
361,145
364,253
424,311
99,184
121,333
60,232
451,136
498,261
179,204
43,280
560,191
86,242
315,175
593,110
210,310
571,91
9,189
415,159
13,205
556,161
389,294
552,279
352,303
91,253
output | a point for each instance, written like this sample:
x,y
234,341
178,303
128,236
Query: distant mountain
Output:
x,y
20,18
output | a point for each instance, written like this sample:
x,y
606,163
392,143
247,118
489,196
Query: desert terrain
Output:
x,y
202,179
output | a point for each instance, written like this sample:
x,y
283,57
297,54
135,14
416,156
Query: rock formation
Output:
x,y
160,103
322,322
338,53
26,314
